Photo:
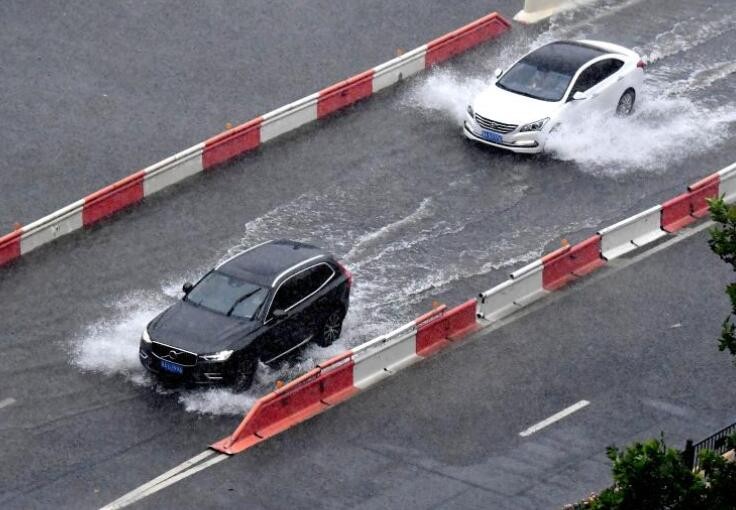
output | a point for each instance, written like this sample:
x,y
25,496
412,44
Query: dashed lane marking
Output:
x,y
7,402
554,418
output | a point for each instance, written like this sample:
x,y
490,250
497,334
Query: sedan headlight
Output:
x,y
534,126
471,112
145,337
218,356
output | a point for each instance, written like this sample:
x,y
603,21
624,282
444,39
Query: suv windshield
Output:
x,y
536,79
227,295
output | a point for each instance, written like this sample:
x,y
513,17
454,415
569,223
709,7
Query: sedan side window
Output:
x,y
595,74
586,80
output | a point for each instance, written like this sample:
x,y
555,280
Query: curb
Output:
x,y
244,138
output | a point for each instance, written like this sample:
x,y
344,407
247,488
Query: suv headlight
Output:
x,y
471,112
145,337
218,356
534,126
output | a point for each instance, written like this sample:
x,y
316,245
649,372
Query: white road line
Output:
x,y
7,402
554,418
153,485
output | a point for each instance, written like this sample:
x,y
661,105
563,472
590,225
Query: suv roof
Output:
x,y
263,263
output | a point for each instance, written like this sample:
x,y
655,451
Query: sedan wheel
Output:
x,y
331,330
626,103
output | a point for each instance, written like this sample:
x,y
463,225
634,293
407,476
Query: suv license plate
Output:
x,y
172,367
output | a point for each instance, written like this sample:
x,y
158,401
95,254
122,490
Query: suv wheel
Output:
x,y
246,372
330,329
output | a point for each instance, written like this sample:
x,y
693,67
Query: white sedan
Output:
x,y
556,83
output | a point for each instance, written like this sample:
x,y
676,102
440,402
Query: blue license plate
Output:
x,y
172,367
492,137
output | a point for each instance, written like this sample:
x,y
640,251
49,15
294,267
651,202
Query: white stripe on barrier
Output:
x,y
289,117
48,228
631,233
504,299
526,269
393,71
173,169
379,358
727,185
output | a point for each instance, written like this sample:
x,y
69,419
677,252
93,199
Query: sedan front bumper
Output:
x,y
521,143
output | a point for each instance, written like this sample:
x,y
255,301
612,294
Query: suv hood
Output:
x,y
503,106
199,330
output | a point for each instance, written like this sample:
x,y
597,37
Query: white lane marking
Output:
x,y
554,418
7,402
144,489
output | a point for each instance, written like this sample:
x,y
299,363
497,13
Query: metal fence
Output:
x,y
717,443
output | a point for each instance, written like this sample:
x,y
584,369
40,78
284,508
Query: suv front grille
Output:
x,y
492,125
173,354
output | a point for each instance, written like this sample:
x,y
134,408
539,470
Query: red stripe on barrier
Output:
x,y
113,198
676,213
700,191
572,262
438,332
462,39
9,247
345,93
299,400
232,143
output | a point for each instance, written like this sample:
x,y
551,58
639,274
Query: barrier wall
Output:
x,y
246,137
535,11
631,233
343,376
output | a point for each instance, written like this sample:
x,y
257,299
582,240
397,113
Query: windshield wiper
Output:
x,y
240,300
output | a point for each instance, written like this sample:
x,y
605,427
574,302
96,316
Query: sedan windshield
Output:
x,y
227,295
536,80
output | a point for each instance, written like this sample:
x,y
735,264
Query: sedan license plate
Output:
x,y
492,137
172,367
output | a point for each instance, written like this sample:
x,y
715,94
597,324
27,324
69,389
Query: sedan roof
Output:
x,y
262,264
564,57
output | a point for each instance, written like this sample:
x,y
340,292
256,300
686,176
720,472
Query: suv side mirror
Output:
x,y
498,73
579,96
187,287
278,314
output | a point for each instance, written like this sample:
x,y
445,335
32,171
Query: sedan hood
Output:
x,y
503,106
199,330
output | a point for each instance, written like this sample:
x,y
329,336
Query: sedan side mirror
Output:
x,y
579,96
498,73
187,287
278,314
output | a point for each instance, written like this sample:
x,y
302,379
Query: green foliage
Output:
x,y
651,476
723,243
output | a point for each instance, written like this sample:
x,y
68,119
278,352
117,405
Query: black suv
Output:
x,y
262,304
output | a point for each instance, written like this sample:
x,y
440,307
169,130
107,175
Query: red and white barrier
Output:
x,y
345,375
727,178
632,233
247,137
522,288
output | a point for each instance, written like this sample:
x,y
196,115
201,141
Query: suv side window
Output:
x,y
287,295
301,285
317,276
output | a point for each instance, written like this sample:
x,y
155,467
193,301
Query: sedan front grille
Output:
x,y
492,125
173,354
